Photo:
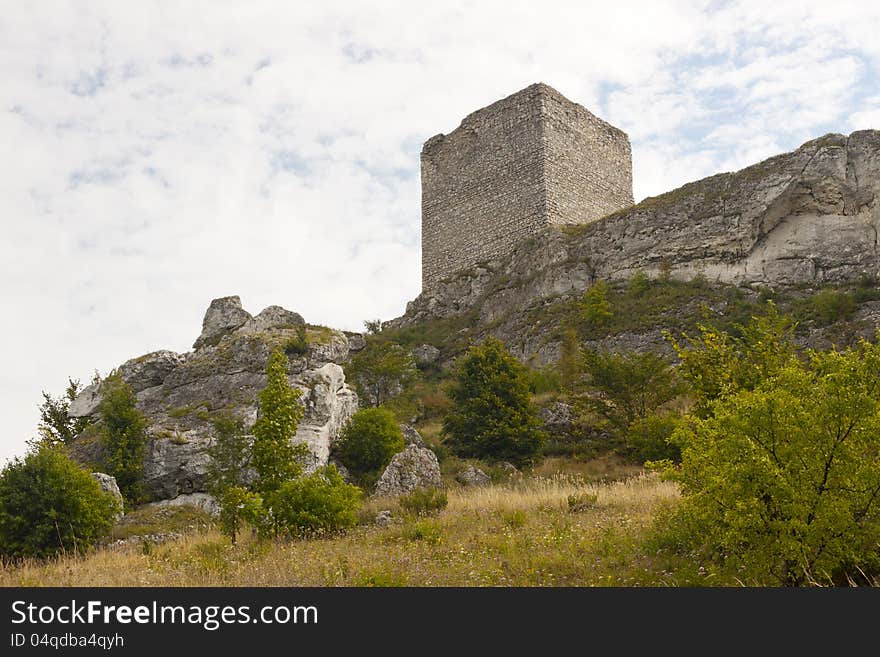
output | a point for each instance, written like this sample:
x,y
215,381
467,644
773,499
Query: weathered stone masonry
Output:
x,y
510,169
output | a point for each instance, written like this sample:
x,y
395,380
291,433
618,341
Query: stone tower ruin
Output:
x,y
527,161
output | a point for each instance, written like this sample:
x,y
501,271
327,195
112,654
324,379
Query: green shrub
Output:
x,y
648,438
49,504
369,440
638,284
628,386
829,306
569,366
780,475
717,362
315,503
237,506
424,501
595,308
180,412
298,344
492,415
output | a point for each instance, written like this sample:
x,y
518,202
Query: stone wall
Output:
x,y
587,162
510,169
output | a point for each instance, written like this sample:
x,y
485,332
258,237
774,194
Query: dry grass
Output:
x,y
552,493
524,533
605,468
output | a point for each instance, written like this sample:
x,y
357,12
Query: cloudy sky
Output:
x,y
156,155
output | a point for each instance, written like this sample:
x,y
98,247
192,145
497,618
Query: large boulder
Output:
x,y
108,485
414,467
223,316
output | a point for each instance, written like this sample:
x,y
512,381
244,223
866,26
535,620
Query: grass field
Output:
x,y
553,530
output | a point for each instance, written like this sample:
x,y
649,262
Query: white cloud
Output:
x,y
157,155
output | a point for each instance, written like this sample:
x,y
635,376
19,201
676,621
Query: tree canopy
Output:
x,y
492,414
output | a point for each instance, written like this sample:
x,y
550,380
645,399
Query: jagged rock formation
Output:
x,y
178,393
807,217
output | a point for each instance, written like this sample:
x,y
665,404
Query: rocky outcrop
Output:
x,y
108,485
180,393
806,217
328,405
224,315
473,476
272,317
415,467
203,501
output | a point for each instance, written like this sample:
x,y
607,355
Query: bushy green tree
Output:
x,y
275,457
230,453
492,415
382,370
628,386
318,502
50,504
124,436
780,471
369,440
56,426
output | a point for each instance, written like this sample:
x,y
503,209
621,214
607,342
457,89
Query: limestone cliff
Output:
x,y
805,218
179,392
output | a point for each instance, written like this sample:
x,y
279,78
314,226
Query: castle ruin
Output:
x,y
527,161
